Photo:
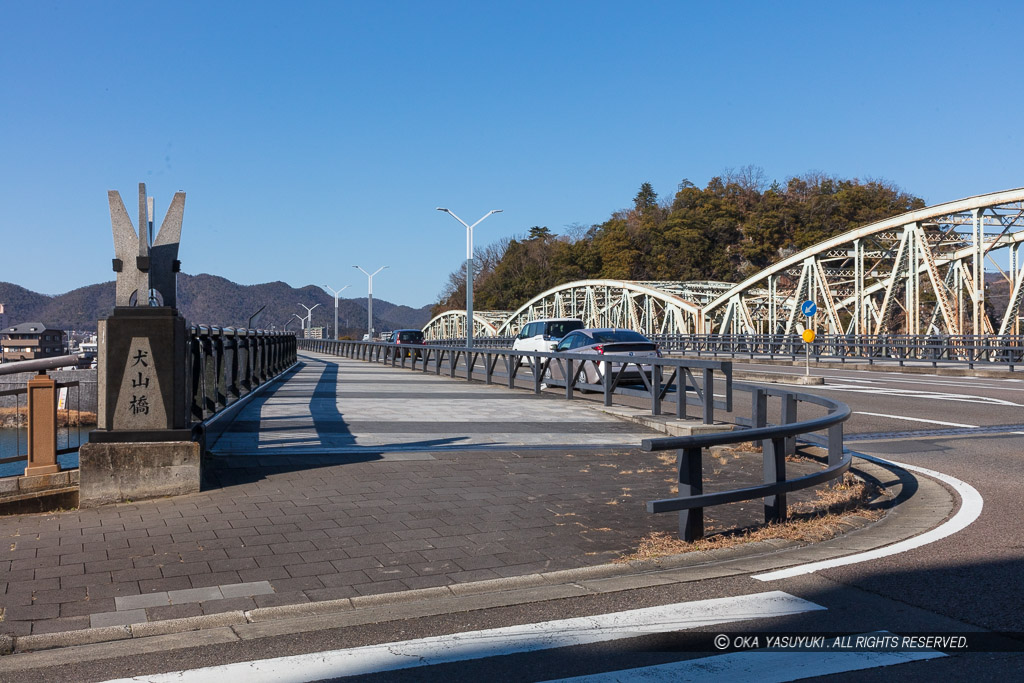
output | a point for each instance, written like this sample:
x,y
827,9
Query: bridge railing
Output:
x,y
14,450
932,349
680,381
226,364
776,441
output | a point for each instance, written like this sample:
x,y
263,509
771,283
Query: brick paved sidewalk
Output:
x,y
326,521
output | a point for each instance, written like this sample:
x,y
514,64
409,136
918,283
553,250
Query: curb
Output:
x,y
931,503
778,378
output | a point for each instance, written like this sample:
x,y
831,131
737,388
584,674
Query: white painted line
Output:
x,y
758,666
493,642
916,419
971,504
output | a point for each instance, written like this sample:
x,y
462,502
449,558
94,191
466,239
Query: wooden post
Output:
x,y
42,426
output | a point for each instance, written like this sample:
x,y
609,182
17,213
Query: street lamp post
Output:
x,y
336,293
469,270
309,315
369,298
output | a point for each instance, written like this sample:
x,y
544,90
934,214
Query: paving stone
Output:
x,y
228,605
214,579
61,624
112,590
131,602
195,595
172,583
289,598
61,595
135,616
87,607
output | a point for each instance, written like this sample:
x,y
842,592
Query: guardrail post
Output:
x,y
681,387
789,417
709,396
759,411
775,472
691,483
538,374
835,444
606,381
568,378
655,389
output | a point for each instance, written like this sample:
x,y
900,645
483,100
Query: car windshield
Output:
x,y
560,328
612,336
410,336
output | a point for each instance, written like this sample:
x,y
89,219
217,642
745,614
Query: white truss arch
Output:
x,y
452,324
922,272
648,307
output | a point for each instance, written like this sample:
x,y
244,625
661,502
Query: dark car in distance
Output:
x,y
408,338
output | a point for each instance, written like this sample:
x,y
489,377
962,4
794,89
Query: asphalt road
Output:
x,y
968,428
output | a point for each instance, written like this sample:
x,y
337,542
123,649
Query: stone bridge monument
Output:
x,y
143,446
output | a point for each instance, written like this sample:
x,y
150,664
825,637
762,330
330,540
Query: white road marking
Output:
x,y
917,394
915,419
493,642
758,666
971,504
985,382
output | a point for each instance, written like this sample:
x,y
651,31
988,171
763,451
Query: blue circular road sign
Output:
x,y
808,308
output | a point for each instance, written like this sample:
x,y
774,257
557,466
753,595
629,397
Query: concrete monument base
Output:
x,y
119,472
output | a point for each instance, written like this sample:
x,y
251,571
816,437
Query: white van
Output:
x,y
544,334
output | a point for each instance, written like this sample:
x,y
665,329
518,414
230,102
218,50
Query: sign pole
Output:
x,y
808,308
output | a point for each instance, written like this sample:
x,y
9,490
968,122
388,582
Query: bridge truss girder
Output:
x,y
452,324
648,307
917,273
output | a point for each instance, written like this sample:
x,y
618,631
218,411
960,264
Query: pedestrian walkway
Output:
x,y
348,479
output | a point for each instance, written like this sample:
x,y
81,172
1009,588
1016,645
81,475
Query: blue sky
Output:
x,y
310,136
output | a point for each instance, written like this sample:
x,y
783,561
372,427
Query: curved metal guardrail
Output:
x,y
776,442
682,381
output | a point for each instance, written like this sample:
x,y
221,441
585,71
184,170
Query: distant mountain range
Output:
x,y
211,300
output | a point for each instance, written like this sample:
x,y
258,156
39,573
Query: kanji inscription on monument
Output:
x,y
140,404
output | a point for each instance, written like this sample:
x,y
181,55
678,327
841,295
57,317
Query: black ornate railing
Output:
x,y
226,364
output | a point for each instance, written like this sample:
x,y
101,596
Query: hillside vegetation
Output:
x,y
732,228
212,300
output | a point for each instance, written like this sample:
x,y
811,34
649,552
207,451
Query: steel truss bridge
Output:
x,y
919,273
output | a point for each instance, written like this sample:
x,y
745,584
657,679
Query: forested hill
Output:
x,y
211,300
730,229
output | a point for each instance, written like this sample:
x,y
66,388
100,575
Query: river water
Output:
x,y
15,442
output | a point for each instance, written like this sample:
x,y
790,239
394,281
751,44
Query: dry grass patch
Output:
x,y
18,417
809,522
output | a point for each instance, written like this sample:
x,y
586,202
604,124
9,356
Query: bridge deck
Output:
x,y
350,478
330,408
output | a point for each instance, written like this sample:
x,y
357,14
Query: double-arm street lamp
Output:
x,y
369,299
309,315
469,270
336,293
